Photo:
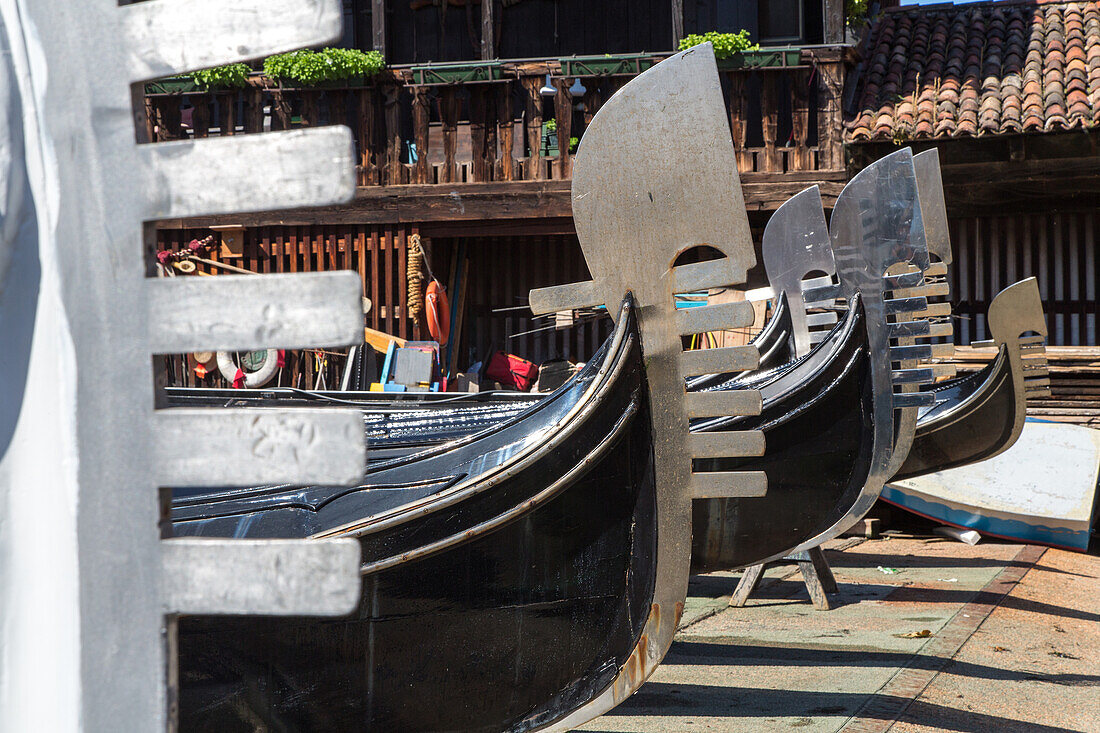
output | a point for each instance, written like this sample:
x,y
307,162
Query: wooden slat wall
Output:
x,y
378,254
992,252
502,271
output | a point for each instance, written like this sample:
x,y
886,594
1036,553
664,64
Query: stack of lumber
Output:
x,y
1074,382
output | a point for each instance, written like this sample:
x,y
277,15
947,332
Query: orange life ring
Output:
x,y
438,311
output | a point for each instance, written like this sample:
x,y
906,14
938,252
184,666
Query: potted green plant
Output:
x,y
728,47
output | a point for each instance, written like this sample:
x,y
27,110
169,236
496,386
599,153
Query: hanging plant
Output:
x,y
331,64
726,45
230,76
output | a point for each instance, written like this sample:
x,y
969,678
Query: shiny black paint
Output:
x,y
817,424
971,420
508,630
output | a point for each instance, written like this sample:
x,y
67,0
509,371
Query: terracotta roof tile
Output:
x,y
979,69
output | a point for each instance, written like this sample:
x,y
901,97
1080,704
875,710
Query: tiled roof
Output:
x,y
982,69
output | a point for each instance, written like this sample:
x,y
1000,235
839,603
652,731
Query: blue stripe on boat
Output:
x,y
1009,528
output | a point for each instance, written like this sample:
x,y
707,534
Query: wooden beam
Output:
x,y
478,202
677,22
487,29
378,25
834,21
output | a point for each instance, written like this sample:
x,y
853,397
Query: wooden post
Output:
x,y
448,113
486,29
829,131
378,25
421,119
678,22
150,119
200,115
479,134
739,122
798,158
505,132
364,132
227,112
592,100
254,110
563,114
834,21
166,111
490,100
769,110
393,134
280,110
533,168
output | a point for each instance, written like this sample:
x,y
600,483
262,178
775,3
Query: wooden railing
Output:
x,y
784,118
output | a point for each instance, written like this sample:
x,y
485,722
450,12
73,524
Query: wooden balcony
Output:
x,y
438,143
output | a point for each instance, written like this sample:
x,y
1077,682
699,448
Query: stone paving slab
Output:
x,y
778,664
1033,665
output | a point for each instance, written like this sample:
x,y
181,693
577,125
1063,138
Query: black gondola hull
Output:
x,y
516,607
974,418
820,446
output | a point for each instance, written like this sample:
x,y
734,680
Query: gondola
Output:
x,y
980,415
408,422
460,544
530,575
826,404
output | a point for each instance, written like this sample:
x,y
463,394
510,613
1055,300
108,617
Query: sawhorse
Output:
x,y
816,573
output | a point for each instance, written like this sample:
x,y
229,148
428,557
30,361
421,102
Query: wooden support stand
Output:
x,y
816,573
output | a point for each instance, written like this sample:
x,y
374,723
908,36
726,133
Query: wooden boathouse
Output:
x,y
465,140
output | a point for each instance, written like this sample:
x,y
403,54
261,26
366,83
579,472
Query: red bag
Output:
x,y
512,371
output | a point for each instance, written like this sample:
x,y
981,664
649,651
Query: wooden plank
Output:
x,y
769,111
677,7
481,202
563,114
798,157
479,131
391,96
448,113
378,26
487,29
375,279
505,124
364,99
830,139
533,168
402,244
420,112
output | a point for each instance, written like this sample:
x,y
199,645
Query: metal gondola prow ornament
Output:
x,y
1017,322
88,583
796,243
656,177
878,238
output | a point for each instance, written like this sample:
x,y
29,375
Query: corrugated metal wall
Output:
x,y
992,252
